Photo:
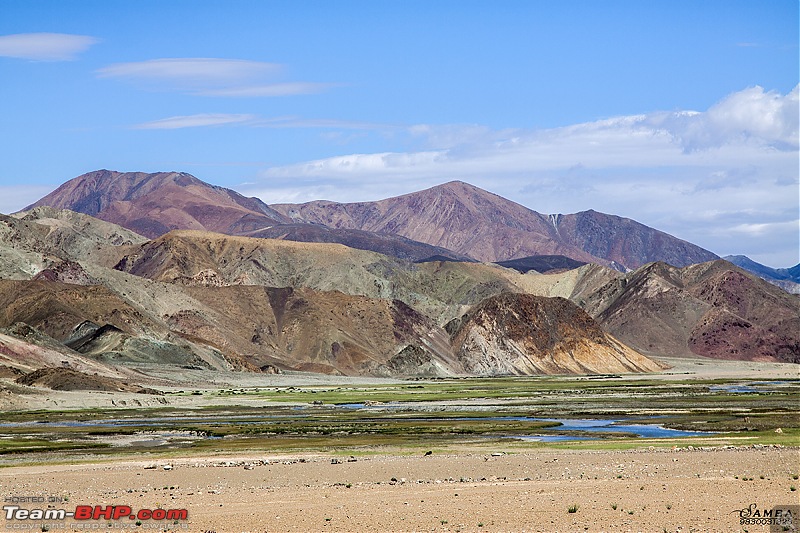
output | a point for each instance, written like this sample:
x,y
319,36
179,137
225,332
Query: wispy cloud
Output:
x,y
44,46
211,77
191,72
196,121
254,121
270,89
758,230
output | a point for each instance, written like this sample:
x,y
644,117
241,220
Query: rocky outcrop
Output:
x,y
522,334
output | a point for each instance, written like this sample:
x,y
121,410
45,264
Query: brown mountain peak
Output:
x,y
153,204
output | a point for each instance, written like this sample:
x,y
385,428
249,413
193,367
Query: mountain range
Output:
x,y
400,287
786,278
455,220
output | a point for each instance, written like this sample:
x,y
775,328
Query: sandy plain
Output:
x,y
681,490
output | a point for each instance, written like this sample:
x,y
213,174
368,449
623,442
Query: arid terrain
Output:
x,y
473,490
362,370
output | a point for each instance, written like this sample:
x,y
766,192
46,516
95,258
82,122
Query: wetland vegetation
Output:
x,y
514,412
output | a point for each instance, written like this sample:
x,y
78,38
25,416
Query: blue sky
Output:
x,y
682,115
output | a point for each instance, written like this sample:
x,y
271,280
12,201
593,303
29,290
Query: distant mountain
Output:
x,y
712,309
487,227
625,242
786,278
153,204
541,263
458,220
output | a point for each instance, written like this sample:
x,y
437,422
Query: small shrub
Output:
x,y
573,508
614,506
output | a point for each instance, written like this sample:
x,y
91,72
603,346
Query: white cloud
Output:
x,y
196,121
211,77
748,115
745,130
44,46
715,178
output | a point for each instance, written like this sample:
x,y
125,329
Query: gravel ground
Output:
x,y
681,490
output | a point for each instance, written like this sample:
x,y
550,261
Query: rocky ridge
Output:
x,y
205,300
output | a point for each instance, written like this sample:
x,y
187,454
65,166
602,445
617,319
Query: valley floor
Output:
x,y
167,378
299,452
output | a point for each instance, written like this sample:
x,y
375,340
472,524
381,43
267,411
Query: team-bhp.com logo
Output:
x,y
88,513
